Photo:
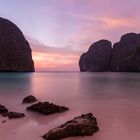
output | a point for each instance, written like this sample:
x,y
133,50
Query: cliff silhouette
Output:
x,y
15,52
123,56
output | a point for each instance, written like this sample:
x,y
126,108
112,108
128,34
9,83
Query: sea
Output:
x,y
113,98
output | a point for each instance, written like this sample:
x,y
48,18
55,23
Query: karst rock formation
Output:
x,y
123,56
15,52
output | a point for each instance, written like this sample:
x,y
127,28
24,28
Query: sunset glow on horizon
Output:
x,y
59,31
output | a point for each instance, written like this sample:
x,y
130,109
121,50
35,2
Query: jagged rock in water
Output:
x,y
3,109
47,108
126,54
97,58
29,99
13,115
15,52
84,125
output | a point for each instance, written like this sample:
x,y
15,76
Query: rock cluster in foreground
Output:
x,y
84,125
15,52
124,56
47,108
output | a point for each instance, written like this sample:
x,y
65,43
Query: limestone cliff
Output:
x,y
15,52
124,56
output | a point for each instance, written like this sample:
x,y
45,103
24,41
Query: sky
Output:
x,y
59,31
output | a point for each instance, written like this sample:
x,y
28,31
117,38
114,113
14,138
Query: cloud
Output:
x,y
94,28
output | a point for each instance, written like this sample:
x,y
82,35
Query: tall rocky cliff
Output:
x,y
15,52
124,56
97,58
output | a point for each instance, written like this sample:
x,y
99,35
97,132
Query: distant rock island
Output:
x,y
15,52
124,56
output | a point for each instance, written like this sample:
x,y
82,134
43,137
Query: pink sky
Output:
x,y
60,30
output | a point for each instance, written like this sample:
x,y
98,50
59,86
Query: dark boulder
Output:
x,y
13,115
97,58
3,109
29,99
47,108
10,115
84,125
15,52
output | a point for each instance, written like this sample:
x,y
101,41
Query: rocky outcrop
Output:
x,y
15,52
46,108
84,125
3,109
124,56
29,99
97,58
13,115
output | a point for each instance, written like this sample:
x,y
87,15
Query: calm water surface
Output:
x,y
114,98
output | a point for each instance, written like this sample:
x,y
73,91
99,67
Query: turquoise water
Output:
x,y
114,98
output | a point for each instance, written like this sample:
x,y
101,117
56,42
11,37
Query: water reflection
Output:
x,y
15,82
14,87
110,85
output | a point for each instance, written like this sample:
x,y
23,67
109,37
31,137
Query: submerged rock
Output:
x,y
13,115
4,121
84,125
29,99
15,52
3,109
46,108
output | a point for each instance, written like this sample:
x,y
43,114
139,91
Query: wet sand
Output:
x,y
116,119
